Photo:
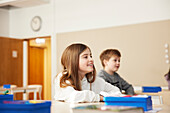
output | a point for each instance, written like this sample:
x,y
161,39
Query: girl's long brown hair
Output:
x,y
70,63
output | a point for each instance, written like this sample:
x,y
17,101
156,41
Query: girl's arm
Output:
x,y
106,88
69,94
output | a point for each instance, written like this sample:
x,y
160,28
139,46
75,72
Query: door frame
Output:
x,y
47,66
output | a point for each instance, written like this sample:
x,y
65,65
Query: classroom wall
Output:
x,y
76,15
141,45
4,23
20,21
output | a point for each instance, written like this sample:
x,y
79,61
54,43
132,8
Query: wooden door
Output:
x,y
36,68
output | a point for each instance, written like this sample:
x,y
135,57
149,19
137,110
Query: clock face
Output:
x,y
36,23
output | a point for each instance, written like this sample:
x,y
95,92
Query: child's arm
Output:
x,y
69,94
126,86
106,88
72,95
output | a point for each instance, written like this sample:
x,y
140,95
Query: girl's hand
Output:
x,y
101,98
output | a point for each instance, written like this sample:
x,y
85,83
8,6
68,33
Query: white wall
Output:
x,y
21,18
75,15
4,23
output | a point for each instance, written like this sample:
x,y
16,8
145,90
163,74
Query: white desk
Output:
x,y
63,107
164,96
21,90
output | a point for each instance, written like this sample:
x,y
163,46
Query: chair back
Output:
x,y
13,86
39,88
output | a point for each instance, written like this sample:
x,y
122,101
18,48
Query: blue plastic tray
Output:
x,y
151,89
44,107
144,102
6,97
7,86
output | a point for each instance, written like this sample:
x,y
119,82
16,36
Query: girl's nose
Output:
x,y
91,59
118,62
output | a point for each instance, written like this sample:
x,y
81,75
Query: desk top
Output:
x,y
165,108
164,93
63,107
17,88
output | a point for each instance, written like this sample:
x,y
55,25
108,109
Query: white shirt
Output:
x,y
99,86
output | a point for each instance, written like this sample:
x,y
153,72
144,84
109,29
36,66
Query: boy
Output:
x,y
110,60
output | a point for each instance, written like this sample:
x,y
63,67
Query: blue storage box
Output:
x,y
44,107
151,89
7,86
6,97
144,102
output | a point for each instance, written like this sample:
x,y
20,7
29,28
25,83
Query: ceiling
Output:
x,y
12,4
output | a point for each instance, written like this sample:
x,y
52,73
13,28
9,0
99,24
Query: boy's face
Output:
x,y
112,64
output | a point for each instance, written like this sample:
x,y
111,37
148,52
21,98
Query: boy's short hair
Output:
x,y
107,54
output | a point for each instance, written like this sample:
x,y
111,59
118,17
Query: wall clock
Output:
x,y
36,23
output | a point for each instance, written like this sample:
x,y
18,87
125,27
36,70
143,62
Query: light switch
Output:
x,y
14,54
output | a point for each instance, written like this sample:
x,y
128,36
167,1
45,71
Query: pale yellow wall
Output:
x,y
141,45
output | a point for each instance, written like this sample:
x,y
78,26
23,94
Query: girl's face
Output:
x,y
113,64
85,62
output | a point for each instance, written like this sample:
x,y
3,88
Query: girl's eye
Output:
x,y
91,56
85,56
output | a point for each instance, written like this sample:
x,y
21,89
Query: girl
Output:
x,y
78,82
